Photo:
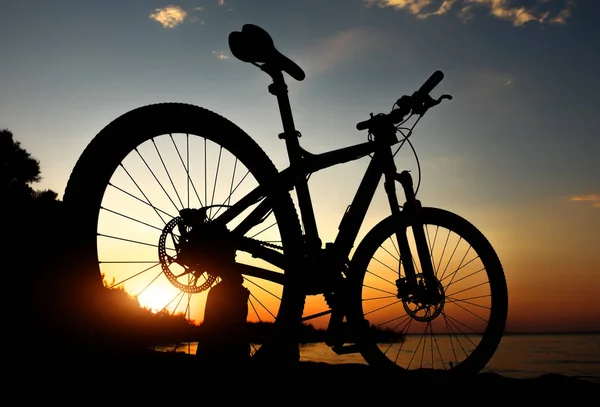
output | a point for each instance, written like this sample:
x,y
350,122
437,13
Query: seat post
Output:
x,y
279,89
290,135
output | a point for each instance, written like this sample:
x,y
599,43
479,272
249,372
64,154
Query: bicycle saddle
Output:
x,y
255,45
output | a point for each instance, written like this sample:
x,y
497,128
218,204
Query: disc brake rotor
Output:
x,y
191,274
424,311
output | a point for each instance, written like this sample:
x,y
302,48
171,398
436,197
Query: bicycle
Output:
x,y
428,310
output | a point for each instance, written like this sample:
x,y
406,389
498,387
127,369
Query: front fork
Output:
x,y
409,285
410,288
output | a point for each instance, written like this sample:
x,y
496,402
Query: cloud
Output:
x,y
593,199
169,16
508,10
220,55
338,49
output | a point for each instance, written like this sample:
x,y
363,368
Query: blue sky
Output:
x,y
516,151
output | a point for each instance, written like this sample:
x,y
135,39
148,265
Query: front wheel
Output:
x,y
459,332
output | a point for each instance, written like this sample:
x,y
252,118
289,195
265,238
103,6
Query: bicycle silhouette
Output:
x,y
424,289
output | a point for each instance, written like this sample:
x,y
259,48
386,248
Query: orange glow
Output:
x,y
156,297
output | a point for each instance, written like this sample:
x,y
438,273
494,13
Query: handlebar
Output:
x,y
431,83
418,103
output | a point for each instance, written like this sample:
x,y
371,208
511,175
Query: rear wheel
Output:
x,y
458,332
152,195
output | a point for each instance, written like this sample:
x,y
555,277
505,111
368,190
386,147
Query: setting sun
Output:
x,y
156,297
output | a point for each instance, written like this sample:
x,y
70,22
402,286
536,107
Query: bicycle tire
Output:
x,y
400,314
90,178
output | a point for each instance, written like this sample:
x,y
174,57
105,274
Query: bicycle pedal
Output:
x,y
345,349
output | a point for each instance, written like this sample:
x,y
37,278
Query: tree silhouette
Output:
x,y
18,169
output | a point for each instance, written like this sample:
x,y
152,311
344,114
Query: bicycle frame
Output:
x,y
295,176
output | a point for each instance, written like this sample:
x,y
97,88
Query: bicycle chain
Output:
x,y
266,244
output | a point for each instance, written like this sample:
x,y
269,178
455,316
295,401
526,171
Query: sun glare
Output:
x,y
156,297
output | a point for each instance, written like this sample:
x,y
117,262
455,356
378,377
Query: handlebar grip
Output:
x,y
431,83
363,125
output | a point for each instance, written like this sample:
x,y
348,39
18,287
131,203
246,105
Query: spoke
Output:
x,y
395,247
460,266
129,240
156,178
416,350
454,322
402,319
157,210
212,199
465,277
470,312
177,305
255,217
262,305
473,298
437,345
379,298
385,265
466,289
264,230
232,178
181,293
381,278
379,289
425,341
130,218
133,276
391,254
468,275
456,301
168,174
410,321
148,285
187,168
380,308
443,252
450,259
464,351
142,192
262,288
127,261
227,201
451,334
255,311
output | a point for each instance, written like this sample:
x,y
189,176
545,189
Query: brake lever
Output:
x,y
430,102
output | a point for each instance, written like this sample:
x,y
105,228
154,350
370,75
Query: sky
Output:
x,y
515,152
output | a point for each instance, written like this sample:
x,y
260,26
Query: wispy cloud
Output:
x,y
593,199
338,49
169,16
513,11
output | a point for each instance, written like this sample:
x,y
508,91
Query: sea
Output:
x,y
518,356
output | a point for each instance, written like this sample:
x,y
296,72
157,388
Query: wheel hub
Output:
x,y
422,306
203,249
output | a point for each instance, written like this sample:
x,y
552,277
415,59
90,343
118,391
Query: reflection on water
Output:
x,y
534,355
521,356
